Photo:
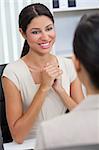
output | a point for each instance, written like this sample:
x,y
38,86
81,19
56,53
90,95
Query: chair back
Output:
x,y
3,121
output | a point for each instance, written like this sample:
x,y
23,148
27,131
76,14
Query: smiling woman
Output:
x,y
43,84
40,34
10,41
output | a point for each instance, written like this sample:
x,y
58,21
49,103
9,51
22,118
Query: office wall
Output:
x,y
65,24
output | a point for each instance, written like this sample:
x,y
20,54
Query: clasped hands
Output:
x,y
51,76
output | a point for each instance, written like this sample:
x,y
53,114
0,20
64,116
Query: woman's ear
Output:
x,y
22,33
76,63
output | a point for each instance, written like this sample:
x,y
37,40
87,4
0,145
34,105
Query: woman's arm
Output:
x,y
76,93
21,123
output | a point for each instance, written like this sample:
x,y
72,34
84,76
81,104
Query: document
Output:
x,y
27,145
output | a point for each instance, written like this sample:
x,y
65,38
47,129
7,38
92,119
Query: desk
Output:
x,y
28,144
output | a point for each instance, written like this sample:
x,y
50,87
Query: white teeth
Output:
x,y
44,44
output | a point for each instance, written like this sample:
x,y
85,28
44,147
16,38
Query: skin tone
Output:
x,y
84,77
44,68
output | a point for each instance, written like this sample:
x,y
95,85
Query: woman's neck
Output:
x,y
33,59
91,90
85,79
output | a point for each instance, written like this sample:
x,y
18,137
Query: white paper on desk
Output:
x,y
28,144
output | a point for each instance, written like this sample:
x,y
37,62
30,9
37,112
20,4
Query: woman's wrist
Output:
x,y
59,89
44,88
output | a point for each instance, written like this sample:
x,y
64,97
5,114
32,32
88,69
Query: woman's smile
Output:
x,y
45,45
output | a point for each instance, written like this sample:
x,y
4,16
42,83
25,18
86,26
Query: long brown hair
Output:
x,y
27,14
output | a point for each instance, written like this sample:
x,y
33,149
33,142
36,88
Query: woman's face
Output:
x,y
40,34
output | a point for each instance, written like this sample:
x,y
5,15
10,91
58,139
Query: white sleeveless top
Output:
x,y
18,72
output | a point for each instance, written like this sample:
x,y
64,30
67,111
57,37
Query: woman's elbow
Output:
x,y
17,137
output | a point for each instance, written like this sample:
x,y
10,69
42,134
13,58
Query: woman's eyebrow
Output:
x,y
49,25
39,28
35,29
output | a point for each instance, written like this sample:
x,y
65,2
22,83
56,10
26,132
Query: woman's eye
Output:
x,y
35,32
50,28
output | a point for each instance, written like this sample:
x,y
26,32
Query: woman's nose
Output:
x,y
44,36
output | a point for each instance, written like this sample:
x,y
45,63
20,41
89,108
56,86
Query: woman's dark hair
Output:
x,y
27,14
86,45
